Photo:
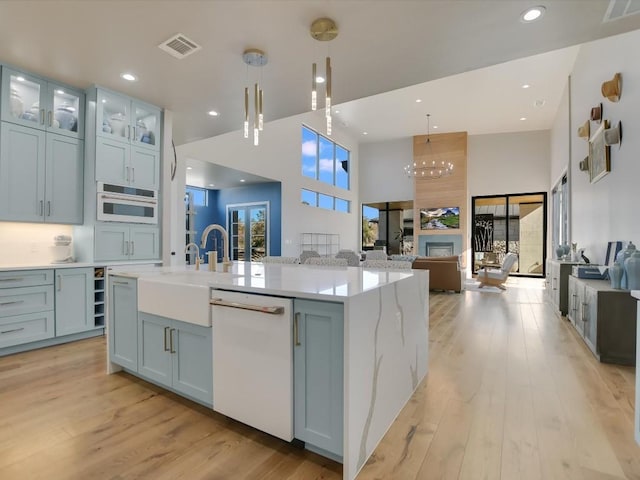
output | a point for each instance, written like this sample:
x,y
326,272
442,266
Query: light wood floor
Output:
x,y
512,393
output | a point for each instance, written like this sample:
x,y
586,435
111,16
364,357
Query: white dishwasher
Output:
x,y
253,360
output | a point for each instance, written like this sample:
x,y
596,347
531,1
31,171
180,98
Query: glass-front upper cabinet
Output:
x,y
37,103
124,119
147,124
113,115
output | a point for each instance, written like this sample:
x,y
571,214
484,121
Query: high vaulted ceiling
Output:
x,y
382,45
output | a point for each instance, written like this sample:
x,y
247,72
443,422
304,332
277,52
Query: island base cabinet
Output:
x,y
318,374
177,355
123,322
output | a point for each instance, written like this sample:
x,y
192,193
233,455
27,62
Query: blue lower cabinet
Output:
x,y
318,374
74,300
176,354
123,322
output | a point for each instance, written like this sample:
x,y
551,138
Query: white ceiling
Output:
x,y
214,177
382,45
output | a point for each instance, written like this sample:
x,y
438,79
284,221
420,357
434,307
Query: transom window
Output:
x,y
328,202
324,160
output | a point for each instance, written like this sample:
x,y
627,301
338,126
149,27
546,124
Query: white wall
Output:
x,y
28,243
508,163
381,171
278,157
607,210
560,135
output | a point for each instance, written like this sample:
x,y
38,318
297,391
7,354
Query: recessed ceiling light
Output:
x,y
129,77
435,127
365,133
418,100
20,79
213,113
523,118
211,185
60,92
526,85
189,168
104,100
242,180
532,14
336,111
320,79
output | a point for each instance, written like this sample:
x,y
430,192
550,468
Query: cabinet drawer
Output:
x,y
26,328
25,278
18,301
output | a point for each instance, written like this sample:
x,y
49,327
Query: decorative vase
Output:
x,y
615,275
565,250
632,269
620,258
559,252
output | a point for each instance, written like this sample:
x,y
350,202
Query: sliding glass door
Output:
x,y
248,231
510,223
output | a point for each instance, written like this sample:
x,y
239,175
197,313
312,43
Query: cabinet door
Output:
x,y
146,125
590,318
27,328
66,116
145,243
23,99
123,322
145,168
74,300
64,180
22,171
192,361
154,352
318,374
112,242
113,116
112,161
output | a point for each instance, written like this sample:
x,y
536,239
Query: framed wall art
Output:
x,y
599,154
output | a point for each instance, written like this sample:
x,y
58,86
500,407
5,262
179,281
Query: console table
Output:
x,y
605,318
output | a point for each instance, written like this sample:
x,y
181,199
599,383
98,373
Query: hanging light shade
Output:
x,y
254,58
323,30
429,170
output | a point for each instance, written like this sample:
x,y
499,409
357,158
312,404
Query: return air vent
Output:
x,y
179,46
620,9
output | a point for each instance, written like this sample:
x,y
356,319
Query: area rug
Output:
x,y
473,286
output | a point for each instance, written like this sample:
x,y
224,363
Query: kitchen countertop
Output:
x,y
304,281
45,266
635,294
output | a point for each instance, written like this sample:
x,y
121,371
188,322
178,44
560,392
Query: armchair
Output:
x,y
494,277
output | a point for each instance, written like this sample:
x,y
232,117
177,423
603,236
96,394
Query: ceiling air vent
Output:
x,y
179,46
620,9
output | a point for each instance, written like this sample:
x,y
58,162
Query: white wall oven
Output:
x,y
117,203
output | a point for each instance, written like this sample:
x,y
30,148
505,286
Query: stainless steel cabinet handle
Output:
x,y
134,132
127,174
132,247
582,313
129,132
41,207
296,330
166,329
50,115
48,208
133,174
15,279
245,306
116,282
14,302
42,116
59,283
11,331
171,340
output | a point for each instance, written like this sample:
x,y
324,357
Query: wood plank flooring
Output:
x,y
512,393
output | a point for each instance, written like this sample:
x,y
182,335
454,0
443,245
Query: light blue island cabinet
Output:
x,y
342,349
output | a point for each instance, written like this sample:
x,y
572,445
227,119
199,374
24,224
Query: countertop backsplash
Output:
x,y
29,243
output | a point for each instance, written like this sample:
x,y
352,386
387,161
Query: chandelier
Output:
x,y
429,169
323,30
255,58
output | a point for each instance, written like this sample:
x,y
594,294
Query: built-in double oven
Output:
x,y
117,203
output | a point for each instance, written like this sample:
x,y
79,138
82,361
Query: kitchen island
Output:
x,y
330,354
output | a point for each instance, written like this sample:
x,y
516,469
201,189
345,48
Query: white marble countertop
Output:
x,y
302,281
635,294
45,266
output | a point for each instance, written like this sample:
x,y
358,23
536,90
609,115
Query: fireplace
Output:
x,y
439,249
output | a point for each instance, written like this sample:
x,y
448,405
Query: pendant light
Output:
x,y
255,58
429,170
323,30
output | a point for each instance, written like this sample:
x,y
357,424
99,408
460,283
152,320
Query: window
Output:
x,y
199,196
324,160
316,199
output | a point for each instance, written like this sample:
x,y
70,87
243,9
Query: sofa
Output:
x,y
444,272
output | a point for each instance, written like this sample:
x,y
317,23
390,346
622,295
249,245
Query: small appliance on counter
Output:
x,y
61,249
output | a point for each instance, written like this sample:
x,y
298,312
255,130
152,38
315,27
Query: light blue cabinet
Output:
x,y
122,322
41,176
74,300
38,103
177,355
128,141
119,241
318,374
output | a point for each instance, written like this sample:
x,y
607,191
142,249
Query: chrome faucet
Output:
x,y
225,242
186,249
